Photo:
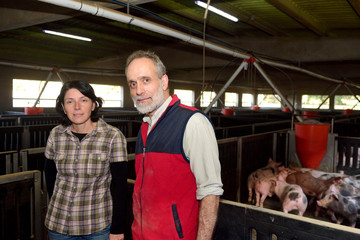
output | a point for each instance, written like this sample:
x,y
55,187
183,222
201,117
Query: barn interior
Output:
x,y
291,47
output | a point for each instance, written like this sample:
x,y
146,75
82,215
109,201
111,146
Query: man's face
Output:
x,y
146,89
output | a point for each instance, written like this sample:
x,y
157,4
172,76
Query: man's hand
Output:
x,y
117,236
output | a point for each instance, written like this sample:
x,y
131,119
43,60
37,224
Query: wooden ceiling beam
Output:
x,y
355,4
292,9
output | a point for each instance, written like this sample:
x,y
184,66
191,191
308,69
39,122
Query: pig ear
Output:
x,y
273,182
335,196
337,179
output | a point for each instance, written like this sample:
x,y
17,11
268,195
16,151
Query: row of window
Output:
x,y
26,92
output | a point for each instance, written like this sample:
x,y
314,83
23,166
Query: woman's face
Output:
x,y
78,107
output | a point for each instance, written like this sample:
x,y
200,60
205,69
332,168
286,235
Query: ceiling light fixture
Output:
x,y
217,11
67,35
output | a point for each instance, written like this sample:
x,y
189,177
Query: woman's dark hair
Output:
x,y
83,87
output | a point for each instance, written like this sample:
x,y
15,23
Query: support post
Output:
x,y
277,91
227,84
42,90
353,95
331,94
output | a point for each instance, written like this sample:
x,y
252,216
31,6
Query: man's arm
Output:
x,y
200,147
208,211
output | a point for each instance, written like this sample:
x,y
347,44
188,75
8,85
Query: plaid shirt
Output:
x,y
81,203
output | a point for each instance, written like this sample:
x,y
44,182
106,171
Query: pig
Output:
x,y
345,206
291,196
264,187
271,169
311,185
353,180
344,188
320,174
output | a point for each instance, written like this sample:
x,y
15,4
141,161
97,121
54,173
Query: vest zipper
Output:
x,y
142,182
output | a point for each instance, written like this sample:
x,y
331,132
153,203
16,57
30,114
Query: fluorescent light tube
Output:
x,y
217,11
67,35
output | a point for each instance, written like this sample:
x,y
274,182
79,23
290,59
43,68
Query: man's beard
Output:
x,y
146,107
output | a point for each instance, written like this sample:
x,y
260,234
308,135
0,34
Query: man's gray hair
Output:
x,y
160,67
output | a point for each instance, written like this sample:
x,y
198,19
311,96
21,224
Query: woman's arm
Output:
x,y
50,176
119,195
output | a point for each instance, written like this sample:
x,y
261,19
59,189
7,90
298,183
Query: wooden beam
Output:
x,y
292,9
355,4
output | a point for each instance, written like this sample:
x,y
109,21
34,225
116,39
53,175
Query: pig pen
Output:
x,y
238,221
239,156
242,221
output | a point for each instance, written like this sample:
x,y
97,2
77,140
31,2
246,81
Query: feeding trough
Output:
x,y
227,111
33,110
310,114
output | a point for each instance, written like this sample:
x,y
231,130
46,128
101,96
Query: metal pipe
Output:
x,y
353,95
330,95
259,68
43,88
27,66
227,84
101,11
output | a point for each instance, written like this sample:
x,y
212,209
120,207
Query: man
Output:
x,y
178,181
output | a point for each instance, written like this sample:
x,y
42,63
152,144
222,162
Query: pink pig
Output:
x,y
264,187
291,196
271,169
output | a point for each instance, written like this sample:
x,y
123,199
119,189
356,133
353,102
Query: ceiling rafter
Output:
x,y
243,16
301,15
250,19
356,5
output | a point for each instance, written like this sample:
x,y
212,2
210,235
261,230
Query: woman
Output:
x,y
85,156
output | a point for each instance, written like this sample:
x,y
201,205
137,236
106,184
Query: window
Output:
x,y
269,101
231,99
206,98
314,101
186,96
25,93
111,94
247,100
346,102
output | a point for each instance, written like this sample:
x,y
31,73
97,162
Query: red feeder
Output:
x,y
286,109
310,114
227,111
255,107
311,143
348,111
33,110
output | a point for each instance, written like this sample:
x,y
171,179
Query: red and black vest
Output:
x,y
164,198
